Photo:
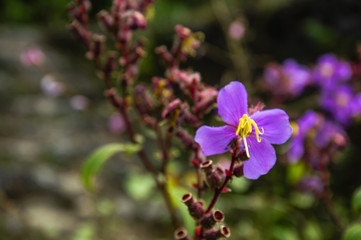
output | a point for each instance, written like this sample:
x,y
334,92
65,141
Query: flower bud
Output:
x,y
110,64
185,138
98,45
223,232
81,32
175,104
207,166
214,177
238,170
106,19
137,20
124,35
142,100
191,119
181,234
210,219
182,32
204,105
195,208
164,54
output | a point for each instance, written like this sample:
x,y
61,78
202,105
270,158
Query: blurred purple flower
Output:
x,y
330,131
79,102
314,131
236,30
300,131
338,101
257,131
330,71
32,57
51,86
312,184
116,123
356,106
289,79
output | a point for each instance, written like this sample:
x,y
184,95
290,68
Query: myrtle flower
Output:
x,y
300,131
257,131
311,133
330,71
289,79
356,106
337,101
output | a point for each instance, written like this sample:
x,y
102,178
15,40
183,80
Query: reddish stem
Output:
x,y
218,191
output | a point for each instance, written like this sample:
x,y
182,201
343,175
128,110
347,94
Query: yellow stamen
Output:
x,y
295,128
244,129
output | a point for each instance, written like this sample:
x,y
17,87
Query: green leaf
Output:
x,y
94,163
353,232
356,200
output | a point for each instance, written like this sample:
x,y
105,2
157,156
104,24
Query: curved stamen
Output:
x,y
244,129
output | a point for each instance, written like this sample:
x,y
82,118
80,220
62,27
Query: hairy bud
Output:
x,y
223,232
210,219
195,208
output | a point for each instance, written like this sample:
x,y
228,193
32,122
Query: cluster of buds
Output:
x,y
120,21
207,221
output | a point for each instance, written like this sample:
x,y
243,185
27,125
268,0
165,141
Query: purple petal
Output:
x,y
214,140
344,71
275,124
263,158
296,149
232,103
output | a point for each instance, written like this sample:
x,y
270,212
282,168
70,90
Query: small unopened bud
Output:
x,y
98,45
223,232
137,20
124,35
106,19
142,100
181,234
238,170
195,208
242,155
207,166
214,177
182,32
185,138
110,64
81,32
191,119
204,105
164,53
175,104
210,219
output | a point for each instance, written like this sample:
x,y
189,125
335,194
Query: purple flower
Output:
x,y
330,131
356,106
289,79
312,184
257,131
337,101
300,131
330,71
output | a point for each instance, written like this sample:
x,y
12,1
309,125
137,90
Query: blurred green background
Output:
x,y
44,139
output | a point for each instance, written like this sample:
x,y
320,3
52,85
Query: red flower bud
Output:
x,y
181,234
195,208
210,219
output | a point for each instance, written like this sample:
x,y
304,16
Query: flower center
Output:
x,y
244,129
327,70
